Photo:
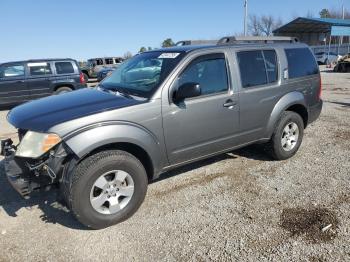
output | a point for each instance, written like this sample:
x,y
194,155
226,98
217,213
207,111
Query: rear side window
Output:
x,y
64,68
301,62
257,67
39,69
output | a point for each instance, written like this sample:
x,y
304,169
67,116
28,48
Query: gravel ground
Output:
x,y
237,206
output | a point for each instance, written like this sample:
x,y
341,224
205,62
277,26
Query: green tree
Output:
x,y
168,42
143,49
149,48
324,13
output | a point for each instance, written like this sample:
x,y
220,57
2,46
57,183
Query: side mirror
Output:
x,y
187,90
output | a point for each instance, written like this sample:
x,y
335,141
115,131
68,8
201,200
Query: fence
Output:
x,y
338,49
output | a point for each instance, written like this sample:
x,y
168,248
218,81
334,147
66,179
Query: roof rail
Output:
x,y
196,42
256,39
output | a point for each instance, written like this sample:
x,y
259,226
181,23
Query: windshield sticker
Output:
x,y
169,55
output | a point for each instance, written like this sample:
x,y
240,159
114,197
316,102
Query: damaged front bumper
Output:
x,y
27,175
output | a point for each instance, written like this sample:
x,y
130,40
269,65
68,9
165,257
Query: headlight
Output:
x,y
36,144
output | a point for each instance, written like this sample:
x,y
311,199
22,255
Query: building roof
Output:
x,y
311,25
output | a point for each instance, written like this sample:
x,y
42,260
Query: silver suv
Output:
x,y
160,110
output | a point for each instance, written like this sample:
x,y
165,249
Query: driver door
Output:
x,y
206,124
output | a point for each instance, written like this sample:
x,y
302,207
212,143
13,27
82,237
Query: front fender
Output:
x,y
82,142
290,99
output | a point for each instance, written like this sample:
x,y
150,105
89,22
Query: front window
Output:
x,y
209,71
142,74
11,71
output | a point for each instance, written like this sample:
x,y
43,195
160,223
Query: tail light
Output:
x,y
82,78
320,90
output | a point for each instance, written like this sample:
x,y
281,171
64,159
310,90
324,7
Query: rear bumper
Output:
x,y
315,111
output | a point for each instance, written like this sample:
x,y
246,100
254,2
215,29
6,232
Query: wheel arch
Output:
x,y
131,148
293,101
132,139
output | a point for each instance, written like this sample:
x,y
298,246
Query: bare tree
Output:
x,y
264,25
253,25
127,55
310,14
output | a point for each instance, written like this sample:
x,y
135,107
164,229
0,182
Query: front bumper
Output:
x,y
20,177
27,175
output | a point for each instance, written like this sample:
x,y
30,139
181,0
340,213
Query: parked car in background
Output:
x,y
95,65
160,110
323,58
343,64
104,73
27,80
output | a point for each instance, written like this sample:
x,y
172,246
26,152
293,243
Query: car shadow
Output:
x,y
48,202
54,210
343,104
254,152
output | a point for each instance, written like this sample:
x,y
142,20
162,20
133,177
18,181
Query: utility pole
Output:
x,y
343,15
245,16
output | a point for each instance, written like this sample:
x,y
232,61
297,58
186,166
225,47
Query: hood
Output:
x,y
42,114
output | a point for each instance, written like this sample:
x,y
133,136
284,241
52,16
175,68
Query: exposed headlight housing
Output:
x,y
35,144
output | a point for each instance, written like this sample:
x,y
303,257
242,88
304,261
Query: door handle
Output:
x,y
230,103
20,81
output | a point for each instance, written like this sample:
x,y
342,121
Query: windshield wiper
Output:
x,y
119,90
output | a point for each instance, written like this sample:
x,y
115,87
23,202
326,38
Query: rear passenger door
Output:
x,y
38,80
260,90
13,88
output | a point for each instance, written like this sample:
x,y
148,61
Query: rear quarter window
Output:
x,y
301,62
64,68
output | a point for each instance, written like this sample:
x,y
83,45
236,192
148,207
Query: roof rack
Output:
x,y
256,39
196,42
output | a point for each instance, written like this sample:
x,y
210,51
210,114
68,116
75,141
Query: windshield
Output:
x,y
142,74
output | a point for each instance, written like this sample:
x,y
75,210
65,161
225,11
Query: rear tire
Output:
x,y
98,178
62,90
287,136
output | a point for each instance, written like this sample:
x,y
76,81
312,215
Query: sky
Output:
x,y
82,29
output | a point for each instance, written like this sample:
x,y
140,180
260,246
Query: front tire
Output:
x,y
106,188
287,136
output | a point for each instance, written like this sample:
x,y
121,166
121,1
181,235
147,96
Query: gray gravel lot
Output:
x,y
237,206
